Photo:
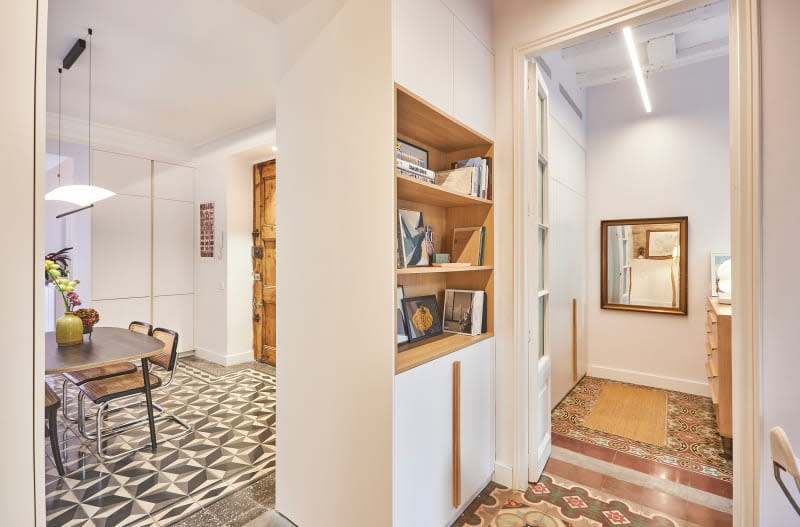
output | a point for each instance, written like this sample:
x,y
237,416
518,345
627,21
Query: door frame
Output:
x,y
745,157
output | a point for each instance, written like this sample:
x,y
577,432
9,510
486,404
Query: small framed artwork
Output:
x,y
720,273
412,154
207,230
402,332
661,244
422,317
413,236
463,311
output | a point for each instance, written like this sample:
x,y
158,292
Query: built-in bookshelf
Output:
x,y
446,141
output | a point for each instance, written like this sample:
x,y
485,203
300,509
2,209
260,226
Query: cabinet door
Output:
x,y
121,247
176,312
119,313
173,182
473,84
121,173
423,446
173,247
424,50
477,16
477,418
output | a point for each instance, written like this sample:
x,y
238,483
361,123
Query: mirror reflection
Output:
x,y
644,266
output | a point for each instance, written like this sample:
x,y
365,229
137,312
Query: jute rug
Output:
x,y
630,411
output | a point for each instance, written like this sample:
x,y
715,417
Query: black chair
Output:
x,y
51,404
77,378
102,392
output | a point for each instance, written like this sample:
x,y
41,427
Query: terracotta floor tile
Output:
x,y
712,485
598,452
574,473
708,517
660,501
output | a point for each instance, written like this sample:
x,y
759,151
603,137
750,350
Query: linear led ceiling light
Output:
x,y
637,68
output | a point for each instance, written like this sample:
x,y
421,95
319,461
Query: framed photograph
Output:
x,y
402,332
718,260
412,238
207,230
412,154
661,244
463,311
422,317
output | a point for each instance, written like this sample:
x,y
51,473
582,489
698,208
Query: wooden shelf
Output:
x,y
411,189
418,119
412,355
433,270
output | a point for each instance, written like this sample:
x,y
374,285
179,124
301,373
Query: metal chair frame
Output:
x,y
777,468
104,410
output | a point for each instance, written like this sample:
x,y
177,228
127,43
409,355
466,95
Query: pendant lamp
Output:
x,y
84,196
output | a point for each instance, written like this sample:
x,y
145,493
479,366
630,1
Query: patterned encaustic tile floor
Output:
x,y
231,448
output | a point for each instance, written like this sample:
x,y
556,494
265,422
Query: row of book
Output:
x,y
468,176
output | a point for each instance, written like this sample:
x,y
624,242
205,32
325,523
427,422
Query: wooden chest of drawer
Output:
x,y
718,363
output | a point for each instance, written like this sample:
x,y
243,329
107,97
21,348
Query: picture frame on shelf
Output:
x,y
467,245
423,319
412,153
402,331
463,311
413,236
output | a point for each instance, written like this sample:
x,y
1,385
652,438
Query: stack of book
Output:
x,y
468,176
409,165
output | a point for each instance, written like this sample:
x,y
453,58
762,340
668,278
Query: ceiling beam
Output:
x,y
685,57
679,23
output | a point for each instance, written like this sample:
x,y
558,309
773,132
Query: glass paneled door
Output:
x,y
537,246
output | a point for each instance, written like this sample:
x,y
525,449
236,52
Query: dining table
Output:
x,y
104,346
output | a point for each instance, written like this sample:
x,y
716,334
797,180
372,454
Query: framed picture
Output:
x,y
402,332
717,261
422,317
412,238
463,311
207,230
661,244
412,154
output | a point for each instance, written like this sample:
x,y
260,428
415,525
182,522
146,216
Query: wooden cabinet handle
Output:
x,y
456,434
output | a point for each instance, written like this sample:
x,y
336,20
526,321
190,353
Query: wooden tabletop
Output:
x,y
107,346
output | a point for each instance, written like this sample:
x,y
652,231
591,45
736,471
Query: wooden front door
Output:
x,y
264,235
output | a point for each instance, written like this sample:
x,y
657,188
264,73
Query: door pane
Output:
x,y
540,116
541,257
540,191
542,325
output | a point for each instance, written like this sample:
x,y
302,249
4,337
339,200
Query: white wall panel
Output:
x,y
173,247
473,85
121,173
173,181
176,312
121,247
424,50
121,312
476,15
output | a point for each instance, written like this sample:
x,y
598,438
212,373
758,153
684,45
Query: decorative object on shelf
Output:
x,y
422,317
459,180
463,311
69,328
411,153
720,284
468,245
84,196
453,265
89,317
440,258
412,236
429,244
402,331
207,226
644,265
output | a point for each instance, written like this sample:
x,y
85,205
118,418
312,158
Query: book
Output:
x,y
417,170
467,246
460,180
463,311
481,183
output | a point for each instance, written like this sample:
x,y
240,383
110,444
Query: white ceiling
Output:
x,y
186,70
685,38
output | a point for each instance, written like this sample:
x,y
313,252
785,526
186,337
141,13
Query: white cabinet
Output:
x,y
173,247
424,40
424,436
176,312
121,247
473,87
121,312
173,182
121,173
476,15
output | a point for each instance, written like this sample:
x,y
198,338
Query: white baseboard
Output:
x,y
648,379
223,360
503,474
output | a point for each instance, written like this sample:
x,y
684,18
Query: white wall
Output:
x,y
781,187
336,272
673,162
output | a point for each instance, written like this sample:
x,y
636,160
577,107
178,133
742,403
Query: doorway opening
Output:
x,y
264,258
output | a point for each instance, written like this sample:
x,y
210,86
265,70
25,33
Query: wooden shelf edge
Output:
x,y
409,189
413,355
433,270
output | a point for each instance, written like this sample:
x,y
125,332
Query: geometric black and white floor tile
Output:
x,y
232,445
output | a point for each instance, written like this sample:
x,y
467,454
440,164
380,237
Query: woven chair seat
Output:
x,y
82,376
51,400
103,390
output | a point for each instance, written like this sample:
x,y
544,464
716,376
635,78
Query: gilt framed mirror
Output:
x,y
643,265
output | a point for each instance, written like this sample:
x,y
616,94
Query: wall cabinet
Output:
x,y
424,441
439,58
173,247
